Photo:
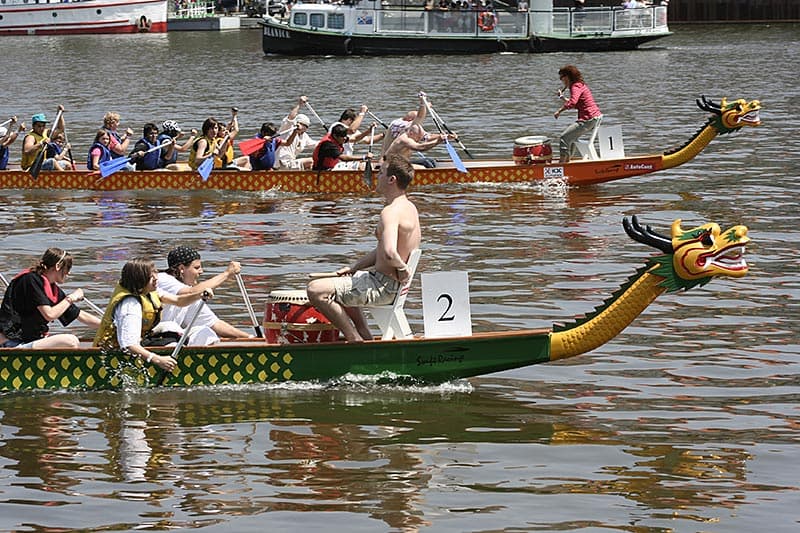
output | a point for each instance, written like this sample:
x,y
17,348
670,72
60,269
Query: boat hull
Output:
x,y
90,17
286,41
579,173
412,360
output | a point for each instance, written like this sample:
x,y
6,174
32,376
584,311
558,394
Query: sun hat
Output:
x,y
182,255
39,117
302,119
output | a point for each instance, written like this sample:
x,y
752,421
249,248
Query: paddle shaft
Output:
x,y
375,118
249,306
69,148
184,338
318,117
441,124
36,167
6,123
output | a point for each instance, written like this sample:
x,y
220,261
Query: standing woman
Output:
x,y
33,299
580,98
135,309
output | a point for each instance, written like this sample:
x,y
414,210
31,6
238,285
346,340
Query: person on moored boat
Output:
x,y
33,299
35,141
99,151
576,95
135,309
184,269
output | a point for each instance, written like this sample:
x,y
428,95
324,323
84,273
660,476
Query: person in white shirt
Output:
x,y
294,130
184,269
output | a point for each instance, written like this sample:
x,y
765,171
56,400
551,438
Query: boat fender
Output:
x,y
487,21
535,43
144,24
502,45
348,46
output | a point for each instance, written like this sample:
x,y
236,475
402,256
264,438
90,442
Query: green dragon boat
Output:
x,y
688,258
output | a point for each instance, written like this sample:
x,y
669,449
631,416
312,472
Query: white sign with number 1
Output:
x,y
445,304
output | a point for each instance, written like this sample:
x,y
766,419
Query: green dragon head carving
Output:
x,y
692,257
727,117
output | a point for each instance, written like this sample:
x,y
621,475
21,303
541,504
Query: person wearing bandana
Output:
x,y
33,299
184,269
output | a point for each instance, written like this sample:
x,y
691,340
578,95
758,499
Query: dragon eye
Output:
x,y
707,239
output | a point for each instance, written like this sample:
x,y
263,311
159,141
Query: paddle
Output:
x,y
376,119
320,275
249,306
7,122
368,167
69,148
115,165
436,118
207,165
450,150
88,302
36,167
184,337
315,114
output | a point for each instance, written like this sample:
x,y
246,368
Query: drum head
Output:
x,y
531,140
289,296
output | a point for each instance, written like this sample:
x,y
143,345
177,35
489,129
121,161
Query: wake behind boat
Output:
x,y
53,17
606,163
369,27
688,258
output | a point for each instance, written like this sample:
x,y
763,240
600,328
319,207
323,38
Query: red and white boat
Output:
x,y
56,17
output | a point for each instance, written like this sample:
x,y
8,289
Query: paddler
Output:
x,y
204,146
35,141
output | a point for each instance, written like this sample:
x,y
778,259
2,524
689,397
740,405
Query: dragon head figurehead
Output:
x,y
731,116
692,257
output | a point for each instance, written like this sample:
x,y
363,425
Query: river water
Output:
x,y
685,422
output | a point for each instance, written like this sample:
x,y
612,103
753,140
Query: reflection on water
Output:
x,y
685,422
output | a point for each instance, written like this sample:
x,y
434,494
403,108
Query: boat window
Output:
x,y
336,21
317,20
300,19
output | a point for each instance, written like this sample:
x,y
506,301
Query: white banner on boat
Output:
x,y
445,304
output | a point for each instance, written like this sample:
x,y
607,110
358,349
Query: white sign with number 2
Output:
x,y
445,304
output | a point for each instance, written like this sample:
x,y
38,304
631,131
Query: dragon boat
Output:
x,y
725,117
688,258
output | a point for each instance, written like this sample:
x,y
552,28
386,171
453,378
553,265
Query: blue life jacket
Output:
x,y
162,161
3,157
116,136
105,155
264,159
149,161
53,150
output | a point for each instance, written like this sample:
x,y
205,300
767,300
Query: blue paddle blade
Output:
x,y
454,156
112,165
205,168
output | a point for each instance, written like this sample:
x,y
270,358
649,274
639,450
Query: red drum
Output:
x,y
289,318
531,150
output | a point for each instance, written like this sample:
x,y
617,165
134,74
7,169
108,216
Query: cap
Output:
x,y
170,126
302,119
182,255
38,117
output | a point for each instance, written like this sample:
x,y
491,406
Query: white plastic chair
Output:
x,y
585,149
391,319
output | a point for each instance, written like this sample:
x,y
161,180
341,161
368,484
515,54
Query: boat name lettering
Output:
x,y
439,359
639,166
613,169
278,33
553,172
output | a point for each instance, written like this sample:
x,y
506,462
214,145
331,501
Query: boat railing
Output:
x,y
608,20
462,22
191,10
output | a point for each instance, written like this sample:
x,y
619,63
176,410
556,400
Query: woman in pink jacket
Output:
x,y
576,95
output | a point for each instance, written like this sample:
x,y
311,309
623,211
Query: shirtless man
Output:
x,y
414,140
401,125
340,297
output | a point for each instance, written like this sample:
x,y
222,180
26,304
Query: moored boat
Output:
x,y
725,117
53,17
369,27
688,258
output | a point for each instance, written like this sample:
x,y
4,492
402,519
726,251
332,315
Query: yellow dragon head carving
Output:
x,y
692,257
731,116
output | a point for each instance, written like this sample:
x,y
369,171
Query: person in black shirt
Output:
x,y
33,299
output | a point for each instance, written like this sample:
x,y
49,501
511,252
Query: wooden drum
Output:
x,y
531,150
289,318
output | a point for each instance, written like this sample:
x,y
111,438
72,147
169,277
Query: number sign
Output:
x,y
445,304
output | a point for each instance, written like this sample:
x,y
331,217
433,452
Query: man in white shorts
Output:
x,y
340,297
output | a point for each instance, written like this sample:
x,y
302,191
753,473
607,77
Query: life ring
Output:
x,y
144,24
487,21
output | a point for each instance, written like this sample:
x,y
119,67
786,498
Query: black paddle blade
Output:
x,y
36,167
368,175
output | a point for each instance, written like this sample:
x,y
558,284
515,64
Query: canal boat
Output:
x,y
372,27
686,258
593,167
54,17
